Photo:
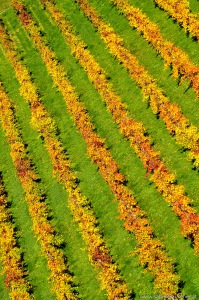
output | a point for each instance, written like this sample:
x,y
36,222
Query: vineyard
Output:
x,y
99,149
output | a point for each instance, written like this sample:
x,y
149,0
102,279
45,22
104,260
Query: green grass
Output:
x,y
122,244
194,7
4,5
3,290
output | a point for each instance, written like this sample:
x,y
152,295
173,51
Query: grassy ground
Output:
x,y
4,5
122,244
194,7
3,290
